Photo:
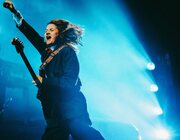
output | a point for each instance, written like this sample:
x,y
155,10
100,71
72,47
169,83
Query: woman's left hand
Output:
x,y
38,82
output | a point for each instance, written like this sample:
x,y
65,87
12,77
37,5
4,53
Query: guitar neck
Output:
x,y
30,69
19,48
28,66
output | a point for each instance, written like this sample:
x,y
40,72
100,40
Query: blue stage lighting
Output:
x,y
157,111
162,134
150,66
154,88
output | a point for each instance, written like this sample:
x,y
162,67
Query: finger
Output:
x,y
34,82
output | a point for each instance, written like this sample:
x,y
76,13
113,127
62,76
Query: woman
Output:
x,y
64,106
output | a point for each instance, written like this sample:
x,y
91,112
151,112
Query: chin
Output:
x,y
49,44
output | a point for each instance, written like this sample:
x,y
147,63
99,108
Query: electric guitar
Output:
x,y
19,48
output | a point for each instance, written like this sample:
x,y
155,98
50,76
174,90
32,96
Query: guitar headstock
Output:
x,y
18,44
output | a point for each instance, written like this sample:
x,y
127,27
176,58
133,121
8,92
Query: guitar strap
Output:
x,y
51,56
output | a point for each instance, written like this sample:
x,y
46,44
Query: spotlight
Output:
x,y
154,88
162,134
157,111
150,66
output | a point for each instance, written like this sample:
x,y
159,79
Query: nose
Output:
x,y
47,33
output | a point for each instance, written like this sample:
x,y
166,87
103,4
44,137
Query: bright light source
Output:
x,y
150,66
157,110
154,88
162,134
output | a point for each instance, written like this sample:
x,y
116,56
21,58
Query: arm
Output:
x,y
25,28
32,36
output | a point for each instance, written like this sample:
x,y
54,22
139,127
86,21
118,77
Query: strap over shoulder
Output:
x,y
51,56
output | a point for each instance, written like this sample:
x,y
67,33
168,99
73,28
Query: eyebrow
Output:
x,y
49,29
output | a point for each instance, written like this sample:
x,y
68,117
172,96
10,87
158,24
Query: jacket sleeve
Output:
x,y
70,69
36,40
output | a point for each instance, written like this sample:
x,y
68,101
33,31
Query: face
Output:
x,y
51,34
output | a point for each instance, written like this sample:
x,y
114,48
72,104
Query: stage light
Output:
x,y
157,111
162,134
150,66
153,88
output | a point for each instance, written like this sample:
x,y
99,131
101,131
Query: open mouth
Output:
x,y
48,37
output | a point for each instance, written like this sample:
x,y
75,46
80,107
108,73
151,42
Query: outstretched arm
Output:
x,y
32,36
25,28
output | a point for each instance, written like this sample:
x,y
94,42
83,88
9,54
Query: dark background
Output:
x,y
157,24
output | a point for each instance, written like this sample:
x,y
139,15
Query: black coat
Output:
x,y
61,96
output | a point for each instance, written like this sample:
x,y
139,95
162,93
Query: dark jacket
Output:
x,y
61,97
